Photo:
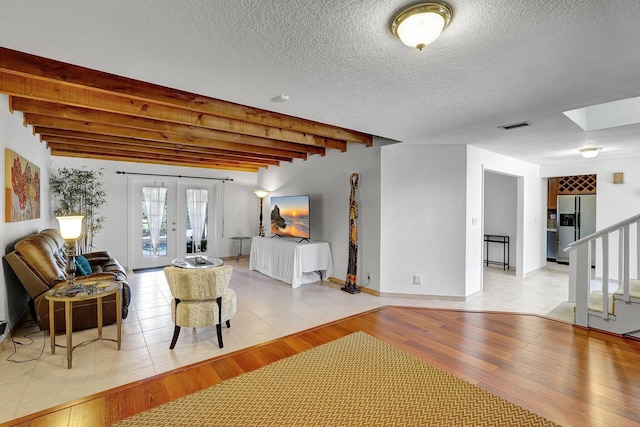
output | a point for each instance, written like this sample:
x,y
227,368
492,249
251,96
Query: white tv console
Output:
x,y
291,261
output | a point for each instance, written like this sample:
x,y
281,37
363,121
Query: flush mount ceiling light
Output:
x,y
589,152
419,25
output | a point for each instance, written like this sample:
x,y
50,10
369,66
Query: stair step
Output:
x,y
634,289
595,302
595,298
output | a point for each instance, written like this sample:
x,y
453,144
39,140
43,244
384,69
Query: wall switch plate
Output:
x,y
417,279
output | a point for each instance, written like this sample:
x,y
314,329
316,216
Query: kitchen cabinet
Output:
x,y
577,184
552,193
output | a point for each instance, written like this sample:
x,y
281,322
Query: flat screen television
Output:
x,y
290,216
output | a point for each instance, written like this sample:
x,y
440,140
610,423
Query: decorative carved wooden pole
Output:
x,y
352,266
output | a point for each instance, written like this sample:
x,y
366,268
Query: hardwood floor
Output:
x,y
568,375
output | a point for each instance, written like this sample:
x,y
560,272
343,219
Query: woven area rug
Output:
x,y
357,380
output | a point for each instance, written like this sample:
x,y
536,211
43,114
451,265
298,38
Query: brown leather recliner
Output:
x,y
40,260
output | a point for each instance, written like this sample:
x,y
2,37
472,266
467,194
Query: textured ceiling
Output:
x,y
499,62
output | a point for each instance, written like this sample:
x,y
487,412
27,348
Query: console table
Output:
x,y
240,238
289,261
504,241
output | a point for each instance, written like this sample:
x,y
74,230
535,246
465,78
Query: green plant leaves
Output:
x,y
80,192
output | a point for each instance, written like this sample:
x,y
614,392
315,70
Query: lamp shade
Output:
x,y
70,226
261,193
419,25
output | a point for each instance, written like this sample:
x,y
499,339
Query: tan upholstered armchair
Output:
x,y
201,297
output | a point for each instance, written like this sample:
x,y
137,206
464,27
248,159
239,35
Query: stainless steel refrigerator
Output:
x,y
576,219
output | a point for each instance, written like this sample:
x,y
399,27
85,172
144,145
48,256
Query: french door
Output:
x,y
170,219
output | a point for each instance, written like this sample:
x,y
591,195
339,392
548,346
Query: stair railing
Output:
x,y
580,283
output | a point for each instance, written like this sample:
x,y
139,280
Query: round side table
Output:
x,y
82,292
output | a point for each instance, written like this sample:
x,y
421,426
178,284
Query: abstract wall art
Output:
x,y
22,188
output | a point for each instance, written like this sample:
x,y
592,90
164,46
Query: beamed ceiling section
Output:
x,y
79,112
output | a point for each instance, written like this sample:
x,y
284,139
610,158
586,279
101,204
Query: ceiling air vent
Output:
x,y
514,126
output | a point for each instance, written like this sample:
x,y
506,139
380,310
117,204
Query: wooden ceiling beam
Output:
x,y
83,109
102,132
105,156
88,117
42,90
48,133
156,150
142,156
64,74
333,143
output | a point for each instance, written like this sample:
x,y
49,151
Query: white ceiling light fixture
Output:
x,y
589,152
421,24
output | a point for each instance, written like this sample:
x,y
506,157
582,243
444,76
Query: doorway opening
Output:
x,y
502,222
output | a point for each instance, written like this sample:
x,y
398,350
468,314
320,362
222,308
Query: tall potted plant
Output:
x,y
80,192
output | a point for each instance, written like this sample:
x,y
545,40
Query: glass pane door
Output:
x,y
184,224
153,223
196,230
196,225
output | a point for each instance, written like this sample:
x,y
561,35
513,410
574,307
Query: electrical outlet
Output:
x,y
3,327
417,279
368,276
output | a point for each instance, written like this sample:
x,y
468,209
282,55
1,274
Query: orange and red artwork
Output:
x,y
22,188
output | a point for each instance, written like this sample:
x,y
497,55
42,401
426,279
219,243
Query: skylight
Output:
x,y
607,115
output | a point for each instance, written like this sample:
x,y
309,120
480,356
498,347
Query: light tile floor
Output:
x,y
267,309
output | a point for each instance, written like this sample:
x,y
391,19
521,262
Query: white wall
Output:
x,y
432,217
500,213
13,135
240,211
423,219
614,202
531,224
326,181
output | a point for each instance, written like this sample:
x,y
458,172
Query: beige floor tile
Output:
x,y
110,379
